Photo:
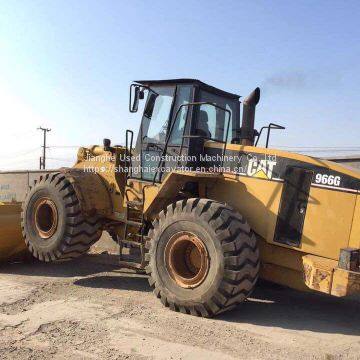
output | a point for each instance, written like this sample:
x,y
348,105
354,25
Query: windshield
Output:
x,y
155,123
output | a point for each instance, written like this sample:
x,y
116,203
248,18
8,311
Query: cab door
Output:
x,y
178,144
153,132
293,205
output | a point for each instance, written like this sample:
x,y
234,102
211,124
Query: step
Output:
x,y
135,203
130,242
131,265
132,261
133,223
145,237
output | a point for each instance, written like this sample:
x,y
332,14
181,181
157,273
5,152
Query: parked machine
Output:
x,y
202,208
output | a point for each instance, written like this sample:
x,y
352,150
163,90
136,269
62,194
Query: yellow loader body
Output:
x,y
11,239
332,220
205,224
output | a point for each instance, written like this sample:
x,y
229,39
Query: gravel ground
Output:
x,y
91,309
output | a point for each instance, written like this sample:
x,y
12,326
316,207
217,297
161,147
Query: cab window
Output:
x,y
212,122
154,129
184,96
156,120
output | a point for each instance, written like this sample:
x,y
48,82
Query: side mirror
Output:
x,y
149,108
136,94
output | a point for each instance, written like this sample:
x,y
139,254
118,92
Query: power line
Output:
x,y
23,153
318,147
329,151
57,159
20,134
19,161
64,146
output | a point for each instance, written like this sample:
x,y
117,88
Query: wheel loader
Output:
x,y
194,202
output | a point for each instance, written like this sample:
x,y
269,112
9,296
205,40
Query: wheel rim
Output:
x,y
46,217
186,259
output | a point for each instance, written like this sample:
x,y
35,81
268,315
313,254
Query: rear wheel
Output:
x,y
53,224
203,257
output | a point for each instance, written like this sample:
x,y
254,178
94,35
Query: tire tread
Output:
x,y
240,250
81,232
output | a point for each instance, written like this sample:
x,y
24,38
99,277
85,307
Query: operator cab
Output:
x,y
178,116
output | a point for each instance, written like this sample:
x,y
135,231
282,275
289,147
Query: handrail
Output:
x,y
128,153
269,128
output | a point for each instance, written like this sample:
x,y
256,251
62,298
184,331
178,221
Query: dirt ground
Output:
x,y
89,309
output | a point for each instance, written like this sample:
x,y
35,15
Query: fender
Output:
x,y
91,190
158,196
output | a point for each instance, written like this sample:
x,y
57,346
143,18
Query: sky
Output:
x,y
67,65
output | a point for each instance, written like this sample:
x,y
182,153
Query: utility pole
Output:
x,y
43,158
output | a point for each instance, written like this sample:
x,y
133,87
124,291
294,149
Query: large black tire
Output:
x,y
232,260
53,224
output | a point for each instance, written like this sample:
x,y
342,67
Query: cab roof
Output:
x,y
199,83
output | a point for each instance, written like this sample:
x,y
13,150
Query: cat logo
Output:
x,y
261,169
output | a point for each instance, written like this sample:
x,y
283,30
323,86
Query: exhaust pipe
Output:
x,y
248,117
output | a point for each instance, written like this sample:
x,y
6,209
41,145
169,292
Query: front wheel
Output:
x,y
203,257
53,224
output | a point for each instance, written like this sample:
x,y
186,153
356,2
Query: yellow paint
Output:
x,y
286,154
284,257
345,283
158,196
329,214
96,160
256,199
328,217
332,217
283,276
323,275
11,239
328,222
261,175
355,229
318,273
